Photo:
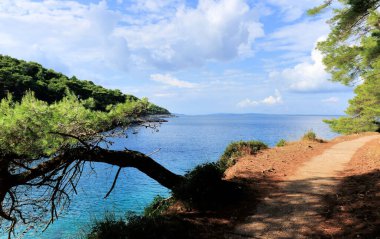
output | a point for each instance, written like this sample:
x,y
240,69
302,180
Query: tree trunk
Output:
x,y
126,158
142,162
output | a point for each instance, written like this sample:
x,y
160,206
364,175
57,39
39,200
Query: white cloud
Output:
x,y
154,5
331,100
297,37
164,95
307,76
77,38
64,35
168,79
293,9
213,31
247,103
270,100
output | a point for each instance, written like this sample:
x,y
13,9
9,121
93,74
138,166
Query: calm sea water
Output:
x,y
184,142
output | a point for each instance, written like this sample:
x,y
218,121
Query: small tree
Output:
x,y
44,147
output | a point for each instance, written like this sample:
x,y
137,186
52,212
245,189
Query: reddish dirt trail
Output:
x,y
295,209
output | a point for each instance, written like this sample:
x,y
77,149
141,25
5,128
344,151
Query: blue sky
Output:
x,y
192,57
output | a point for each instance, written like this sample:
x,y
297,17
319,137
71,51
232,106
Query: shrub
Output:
x,y
309,135
157,206
165,227
238,149
134,226
204,189
108,227
281,143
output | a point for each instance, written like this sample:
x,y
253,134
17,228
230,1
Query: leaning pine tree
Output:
x,y
44,147
352,56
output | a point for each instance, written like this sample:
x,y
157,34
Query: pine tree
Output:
x,y
352,56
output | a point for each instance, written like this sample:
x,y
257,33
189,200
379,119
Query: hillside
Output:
x,y
19,76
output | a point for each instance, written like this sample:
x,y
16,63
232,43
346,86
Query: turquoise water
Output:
x,y
184,142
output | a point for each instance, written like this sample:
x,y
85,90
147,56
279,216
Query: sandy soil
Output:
x,y
353,210
296,185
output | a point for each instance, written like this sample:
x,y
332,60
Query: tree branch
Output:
x,y
113,184
126,158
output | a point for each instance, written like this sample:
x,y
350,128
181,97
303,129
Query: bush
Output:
x,y
165,227
238,149
157,206
309,135
108,227
204,189
281,143
134,226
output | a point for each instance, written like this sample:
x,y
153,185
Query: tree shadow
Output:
x,y
353,211
292,210
319,207
323,207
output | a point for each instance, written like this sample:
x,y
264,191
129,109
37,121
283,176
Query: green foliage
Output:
x,y
281,143
18,76
153,109
363,111
319,9
310,135
108,227
238,149
33,128
204,189
158,227
48,123
352,54
30,127
355,21
157,206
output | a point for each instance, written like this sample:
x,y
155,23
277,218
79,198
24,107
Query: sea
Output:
x,y
179,144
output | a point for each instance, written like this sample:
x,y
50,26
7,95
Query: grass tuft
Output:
x,y
310,135
238,149
281,143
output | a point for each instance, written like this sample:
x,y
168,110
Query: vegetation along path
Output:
x,y
296,208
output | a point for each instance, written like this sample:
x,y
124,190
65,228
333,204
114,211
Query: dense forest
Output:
x,y
19,76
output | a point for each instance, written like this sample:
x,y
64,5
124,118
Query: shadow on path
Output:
x,y
293,211
300,206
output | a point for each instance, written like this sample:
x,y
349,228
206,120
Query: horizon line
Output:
x,y
206,114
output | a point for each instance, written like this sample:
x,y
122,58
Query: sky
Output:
x,y
191,57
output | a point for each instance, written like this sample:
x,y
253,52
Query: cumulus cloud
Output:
x,y
212,31
307,76
270,100
64,35
169,80
80,38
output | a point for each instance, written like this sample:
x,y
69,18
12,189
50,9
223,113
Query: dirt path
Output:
x,y
294,210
